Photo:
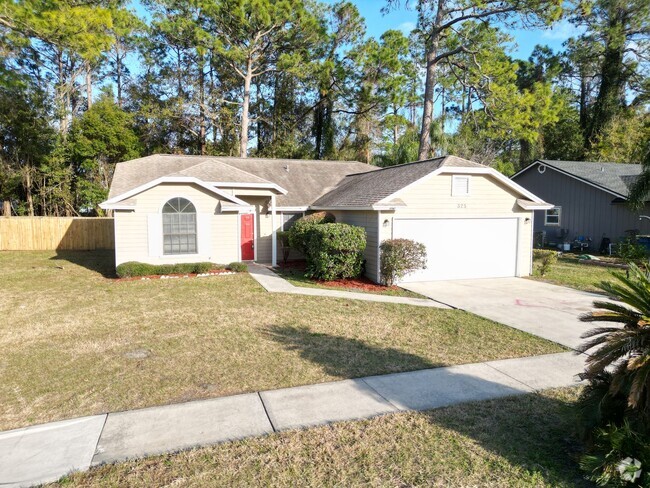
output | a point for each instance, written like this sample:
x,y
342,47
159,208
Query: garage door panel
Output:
x,y
462,248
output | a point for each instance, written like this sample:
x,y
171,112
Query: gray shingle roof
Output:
x,y
615,177
304,180
364,190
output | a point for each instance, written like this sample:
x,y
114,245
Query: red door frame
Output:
x,y
247,237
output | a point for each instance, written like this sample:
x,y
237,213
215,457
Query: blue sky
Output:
x,y
403,19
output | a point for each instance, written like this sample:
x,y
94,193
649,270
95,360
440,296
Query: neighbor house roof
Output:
x,y
367,189
615,178
300,182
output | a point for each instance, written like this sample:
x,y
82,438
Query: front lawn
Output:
x,y
75,342
570,271
524,441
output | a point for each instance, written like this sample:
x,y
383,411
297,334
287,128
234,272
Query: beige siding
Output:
x,y
369,221
132,227
488,197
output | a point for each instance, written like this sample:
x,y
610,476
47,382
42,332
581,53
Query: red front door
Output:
x,y
247,237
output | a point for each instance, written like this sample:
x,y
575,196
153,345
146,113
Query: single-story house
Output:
x,y
590,201
474,221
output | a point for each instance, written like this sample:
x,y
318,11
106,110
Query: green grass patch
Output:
x,y
572,272
75,342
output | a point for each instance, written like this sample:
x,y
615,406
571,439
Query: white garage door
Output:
x,y
462,248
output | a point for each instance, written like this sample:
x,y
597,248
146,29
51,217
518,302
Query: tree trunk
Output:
x,y
6,208
427,111
202,124
61,97
89,85
243,137
118,74
608,101
28,190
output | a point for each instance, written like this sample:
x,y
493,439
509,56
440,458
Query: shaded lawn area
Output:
x,y
296,276
523,441
569,271
77,343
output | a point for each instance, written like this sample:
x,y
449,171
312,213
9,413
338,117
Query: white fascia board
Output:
x,y
116,206
172,179
577,178
230,184
292,209
526,205
238,208
371,208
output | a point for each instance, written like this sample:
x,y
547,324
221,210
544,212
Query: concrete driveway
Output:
x,y
542,309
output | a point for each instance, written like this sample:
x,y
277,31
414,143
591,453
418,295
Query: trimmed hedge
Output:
x,y
400,257
238,267
298,234
134,268
334,251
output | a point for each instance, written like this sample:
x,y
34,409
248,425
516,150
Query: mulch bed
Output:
x,y
362,283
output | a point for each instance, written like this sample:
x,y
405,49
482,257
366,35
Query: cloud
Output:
x,y
560,31
406,27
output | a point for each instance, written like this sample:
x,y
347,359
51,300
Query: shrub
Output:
x,y
238,267
620,457
335,251
615,404
400,257
630,251
134,268
297,236
546,258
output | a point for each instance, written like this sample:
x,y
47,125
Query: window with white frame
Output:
x,y
179,227
460,186
552,216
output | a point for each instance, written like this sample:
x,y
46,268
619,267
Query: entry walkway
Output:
x,y
44,453
276,284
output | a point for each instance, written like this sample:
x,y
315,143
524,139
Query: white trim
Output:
x,y
292,209
535,206
559,217
379,225
373,208
274,241
239,209
118,207
169,179
565,173
231,184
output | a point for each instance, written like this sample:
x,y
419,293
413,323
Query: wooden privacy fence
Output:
x,y
56,233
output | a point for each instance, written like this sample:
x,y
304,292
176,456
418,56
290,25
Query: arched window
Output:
x,y
179,227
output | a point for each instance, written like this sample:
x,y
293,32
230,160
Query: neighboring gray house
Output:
x,y
590,200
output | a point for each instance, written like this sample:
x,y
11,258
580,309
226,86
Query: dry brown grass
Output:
x,y
524,442
67,332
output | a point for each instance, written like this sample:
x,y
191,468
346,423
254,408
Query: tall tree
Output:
x,y
622,28
255,37
438,19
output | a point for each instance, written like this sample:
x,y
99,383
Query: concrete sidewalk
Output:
x,y
44,453
276,284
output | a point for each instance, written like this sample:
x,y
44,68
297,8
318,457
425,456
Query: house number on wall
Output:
x,y
462,205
